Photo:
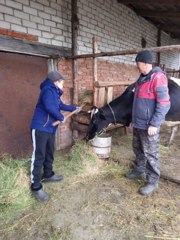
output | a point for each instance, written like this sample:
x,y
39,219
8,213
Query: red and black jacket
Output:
x,y
151,100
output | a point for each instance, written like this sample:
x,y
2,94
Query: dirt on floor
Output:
x,y
170,155
101,204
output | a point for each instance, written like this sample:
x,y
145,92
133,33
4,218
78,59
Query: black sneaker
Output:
x,y
148,189
134,175
53,178
40,195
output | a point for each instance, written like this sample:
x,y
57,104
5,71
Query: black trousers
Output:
x,y
42,157
146,149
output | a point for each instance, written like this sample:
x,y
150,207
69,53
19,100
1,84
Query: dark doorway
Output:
x,y
20,77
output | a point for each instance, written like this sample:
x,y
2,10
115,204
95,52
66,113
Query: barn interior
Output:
x,y
93,44
31,40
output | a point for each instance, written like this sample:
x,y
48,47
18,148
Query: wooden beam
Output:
x,y
160,2
171,28
174,71
99,84
164,176
130,52
9,44
175,35
74,28
74,35
159,44
158,14
84,119
109,94
79,127
101,97
94,71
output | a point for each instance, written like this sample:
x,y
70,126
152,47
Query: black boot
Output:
x,y
40,195
53,178
148,189
134,175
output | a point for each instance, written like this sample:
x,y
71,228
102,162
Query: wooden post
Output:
x,y
159,44
109,94
94,71
74,28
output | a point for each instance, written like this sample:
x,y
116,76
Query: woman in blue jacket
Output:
x,y
47,111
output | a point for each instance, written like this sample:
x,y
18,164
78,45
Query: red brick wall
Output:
x,y
64,134
107,71
19,35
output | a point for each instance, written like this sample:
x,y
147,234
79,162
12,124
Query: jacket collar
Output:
x,y
144,78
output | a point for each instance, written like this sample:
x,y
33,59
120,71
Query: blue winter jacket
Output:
x,y
48,108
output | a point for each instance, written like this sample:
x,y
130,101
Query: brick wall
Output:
x,y
107,71
64,135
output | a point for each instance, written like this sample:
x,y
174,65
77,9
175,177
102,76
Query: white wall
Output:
x,y
118,28
50,20
170,59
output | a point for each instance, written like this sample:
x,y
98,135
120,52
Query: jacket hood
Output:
x,y
48,83
157,69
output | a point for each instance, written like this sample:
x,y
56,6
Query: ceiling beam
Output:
x,y
175,35
170,28
158,14
9,44
163,2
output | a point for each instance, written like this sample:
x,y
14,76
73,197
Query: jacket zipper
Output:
x,y
148,116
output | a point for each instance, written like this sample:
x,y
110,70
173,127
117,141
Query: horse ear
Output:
x,y
93,111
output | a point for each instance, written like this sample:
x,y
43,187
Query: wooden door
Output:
x,y
20,77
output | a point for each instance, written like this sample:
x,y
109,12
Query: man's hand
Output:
x,y
152,130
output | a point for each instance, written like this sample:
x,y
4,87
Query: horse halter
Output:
x,y
115,122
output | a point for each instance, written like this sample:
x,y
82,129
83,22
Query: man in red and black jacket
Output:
x,y
150,105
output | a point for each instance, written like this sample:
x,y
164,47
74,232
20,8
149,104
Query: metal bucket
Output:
x,y
102,145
